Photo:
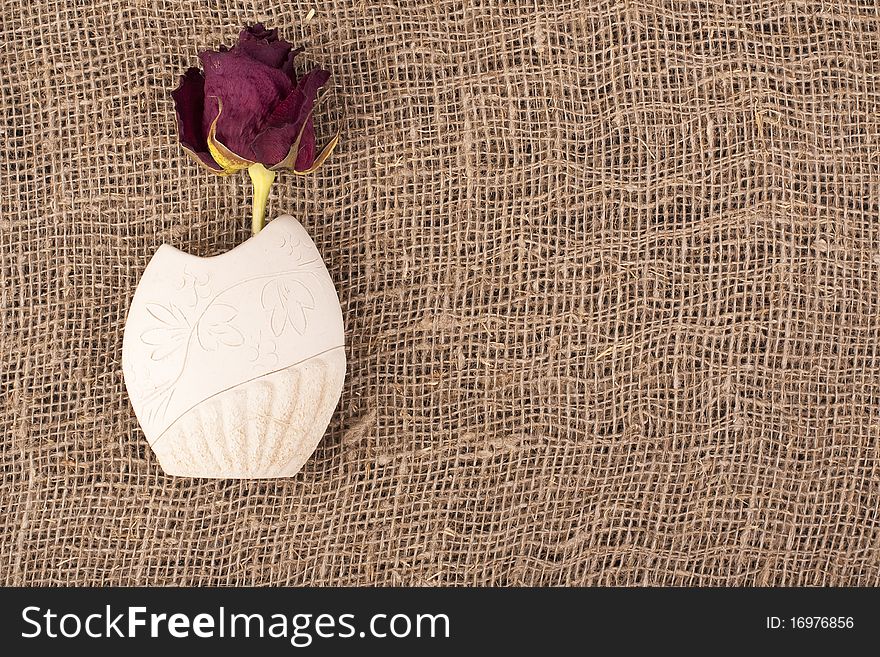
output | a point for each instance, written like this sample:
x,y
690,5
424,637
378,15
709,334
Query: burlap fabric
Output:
x,y
610,273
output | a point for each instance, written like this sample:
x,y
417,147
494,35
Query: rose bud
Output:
x,y
249,111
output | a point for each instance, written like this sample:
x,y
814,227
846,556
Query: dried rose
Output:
x,y
249,111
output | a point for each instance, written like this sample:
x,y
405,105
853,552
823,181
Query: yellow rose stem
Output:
x,y
262,179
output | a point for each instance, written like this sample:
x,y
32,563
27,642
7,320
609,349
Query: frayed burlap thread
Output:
x,y
610,273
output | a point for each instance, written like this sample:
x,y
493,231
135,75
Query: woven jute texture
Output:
x,y
610,273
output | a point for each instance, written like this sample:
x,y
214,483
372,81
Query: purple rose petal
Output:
x,y
263,45
250,90
291,116
189,103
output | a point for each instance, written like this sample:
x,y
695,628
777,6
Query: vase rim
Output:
x,y
267,230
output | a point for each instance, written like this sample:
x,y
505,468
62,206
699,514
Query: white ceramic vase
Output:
x,y
235,363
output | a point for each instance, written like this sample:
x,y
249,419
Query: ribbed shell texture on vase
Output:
x,y
263,428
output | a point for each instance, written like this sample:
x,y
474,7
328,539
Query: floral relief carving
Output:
x,y
215,328
262,352
170,331
194,287
287,300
